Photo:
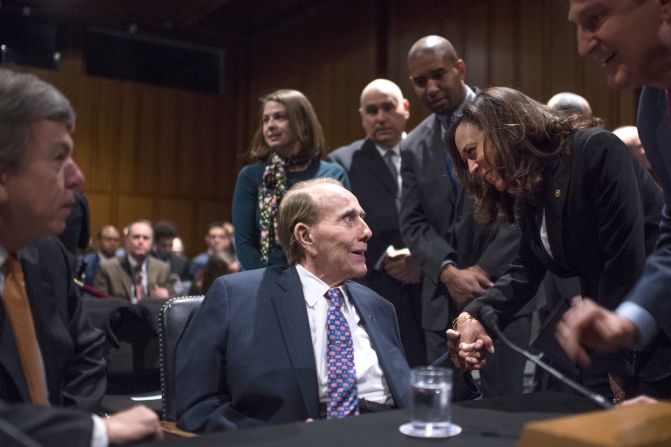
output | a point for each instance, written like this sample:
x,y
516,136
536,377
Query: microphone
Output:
x,y
490,320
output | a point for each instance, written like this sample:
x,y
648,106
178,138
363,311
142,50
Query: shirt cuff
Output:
x,y
99,436
642,319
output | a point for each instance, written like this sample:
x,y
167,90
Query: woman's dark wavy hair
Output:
x,y
526,137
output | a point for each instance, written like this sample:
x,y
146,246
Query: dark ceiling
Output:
x,y
211,22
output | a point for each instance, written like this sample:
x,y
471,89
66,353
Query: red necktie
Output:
x,y
20,317
139,288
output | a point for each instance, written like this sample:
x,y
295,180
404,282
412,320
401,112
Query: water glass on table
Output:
x,y
431,393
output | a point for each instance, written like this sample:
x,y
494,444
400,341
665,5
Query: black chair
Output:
x,y
172,320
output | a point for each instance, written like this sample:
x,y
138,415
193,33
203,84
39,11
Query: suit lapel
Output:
x,y
555,200
436,159
127,278
292,319
377,167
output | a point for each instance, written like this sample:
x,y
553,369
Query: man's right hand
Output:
x,y
136,424
469,343
464,285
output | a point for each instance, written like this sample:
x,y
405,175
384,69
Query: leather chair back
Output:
x,y
173,319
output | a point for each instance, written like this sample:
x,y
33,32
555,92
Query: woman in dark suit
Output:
x,y
583,204
287,148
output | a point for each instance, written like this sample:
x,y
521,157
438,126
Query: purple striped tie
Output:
x,y
342,390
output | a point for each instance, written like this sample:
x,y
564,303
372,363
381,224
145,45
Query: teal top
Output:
x,y
246,209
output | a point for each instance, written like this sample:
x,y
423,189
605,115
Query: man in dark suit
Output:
x,y
458,257
165,233
636,38
261,348
50,357
374,169
108,240
137,275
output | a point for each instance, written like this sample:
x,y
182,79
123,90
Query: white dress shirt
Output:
x,y
371,384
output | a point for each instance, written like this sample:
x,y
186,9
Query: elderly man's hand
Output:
x,y
403,268
136,424
464,284
588,325
470,342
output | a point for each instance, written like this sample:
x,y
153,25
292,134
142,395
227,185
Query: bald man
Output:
x,y
570,103
374,169
629,134
459,258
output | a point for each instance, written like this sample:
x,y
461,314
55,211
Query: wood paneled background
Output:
x,y
159,153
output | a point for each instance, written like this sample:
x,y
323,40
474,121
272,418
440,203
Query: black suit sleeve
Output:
x,y
428,246
85,378
49,426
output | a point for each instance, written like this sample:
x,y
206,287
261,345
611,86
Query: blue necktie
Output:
x,y
342,389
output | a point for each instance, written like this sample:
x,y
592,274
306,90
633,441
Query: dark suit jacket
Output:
x,y
437,223
652,291
602,211
92,261
114,276
246,358
71,349
49,426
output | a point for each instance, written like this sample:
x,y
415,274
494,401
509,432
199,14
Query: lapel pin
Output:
x,y
371,316
557,193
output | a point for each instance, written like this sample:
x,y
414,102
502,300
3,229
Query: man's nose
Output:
x,y
586,41
367,233
74,176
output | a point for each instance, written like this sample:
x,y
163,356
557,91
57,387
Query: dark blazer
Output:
x,y
437,223
49,426
602,213
246,359
654,127
71,349
92,261
114,276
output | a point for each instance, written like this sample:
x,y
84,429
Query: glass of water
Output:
x,y
431,393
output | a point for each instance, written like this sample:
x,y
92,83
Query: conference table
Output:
x,y
488,422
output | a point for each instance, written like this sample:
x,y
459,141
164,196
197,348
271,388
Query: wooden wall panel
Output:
x,y
155,152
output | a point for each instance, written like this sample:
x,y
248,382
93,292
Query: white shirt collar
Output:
x,y
314,288
396,149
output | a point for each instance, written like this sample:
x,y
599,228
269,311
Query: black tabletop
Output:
x,y
488,422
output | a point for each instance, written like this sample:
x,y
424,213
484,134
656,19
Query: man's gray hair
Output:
x,y
24,100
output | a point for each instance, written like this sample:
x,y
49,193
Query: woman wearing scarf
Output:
x,y
287,148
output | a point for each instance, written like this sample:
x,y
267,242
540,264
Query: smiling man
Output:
x,y
287,344
374,169
631,39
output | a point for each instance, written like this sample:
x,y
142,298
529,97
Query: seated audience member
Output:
x,y
219,239
570,103
107,243
215,267
584,207
165,233
52,372
284,344
287,147
178,247
137,275
629,134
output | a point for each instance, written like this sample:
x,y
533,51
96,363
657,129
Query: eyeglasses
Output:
x,y
387,107
434,75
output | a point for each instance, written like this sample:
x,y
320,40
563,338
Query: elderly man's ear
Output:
x,y
304,237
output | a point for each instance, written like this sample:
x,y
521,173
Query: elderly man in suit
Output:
x,y
137,275
374,168
632,41
50,356
459,258
286,344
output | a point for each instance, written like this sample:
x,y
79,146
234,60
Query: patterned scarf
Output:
x,y
272,189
